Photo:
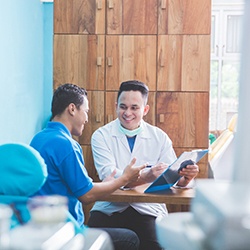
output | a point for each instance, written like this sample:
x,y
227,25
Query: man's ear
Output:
x,y
146,109
71,108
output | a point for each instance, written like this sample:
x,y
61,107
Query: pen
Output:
x,y
148,166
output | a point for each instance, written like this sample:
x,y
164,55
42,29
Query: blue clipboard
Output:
x,y
170,176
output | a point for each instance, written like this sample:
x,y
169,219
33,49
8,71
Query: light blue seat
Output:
x,y
23,172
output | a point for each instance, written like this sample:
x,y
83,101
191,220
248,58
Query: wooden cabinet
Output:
x,y
130,57
79,59
79,17
132,17
164,43
183,63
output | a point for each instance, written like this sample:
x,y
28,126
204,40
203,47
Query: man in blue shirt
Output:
x,y
63,156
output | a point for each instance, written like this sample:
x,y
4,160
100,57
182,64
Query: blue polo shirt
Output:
x,y
67,175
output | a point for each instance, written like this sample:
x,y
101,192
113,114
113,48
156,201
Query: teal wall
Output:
x,y
26,35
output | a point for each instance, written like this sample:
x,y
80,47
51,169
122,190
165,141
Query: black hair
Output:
x,y
134,85
66,94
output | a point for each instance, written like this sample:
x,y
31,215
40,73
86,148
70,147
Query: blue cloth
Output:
x,y
22,169
67,175
23,172
131,142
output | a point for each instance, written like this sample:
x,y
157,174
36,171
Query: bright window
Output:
x,y
225,62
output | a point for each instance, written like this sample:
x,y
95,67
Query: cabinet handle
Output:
x,y
111,4
163,4
161,118
110,118
110,61
99,61
99,4
98,118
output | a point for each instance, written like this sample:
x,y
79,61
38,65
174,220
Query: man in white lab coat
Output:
x,y
115,144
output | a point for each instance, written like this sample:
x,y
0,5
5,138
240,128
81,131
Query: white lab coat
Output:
x,y
111,150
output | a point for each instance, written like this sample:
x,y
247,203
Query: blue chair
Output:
x,y
23,172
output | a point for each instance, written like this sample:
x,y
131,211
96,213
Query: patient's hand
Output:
x,y
149,174
111,176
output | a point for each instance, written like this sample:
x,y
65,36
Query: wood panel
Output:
x,y
169,63
79,17
130,57
183,63
132,17
195,75
95,116
184,117
162,17
79,59
189,16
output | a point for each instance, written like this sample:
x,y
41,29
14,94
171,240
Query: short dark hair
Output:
x,y
134,85
66,94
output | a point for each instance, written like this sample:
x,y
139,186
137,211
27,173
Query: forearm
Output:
x,y
102,189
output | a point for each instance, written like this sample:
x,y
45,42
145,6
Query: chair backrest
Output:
x,y
225,137
222,152
23,170
22,173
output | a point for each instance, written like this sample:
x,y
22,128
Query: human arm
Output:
x,y
110,184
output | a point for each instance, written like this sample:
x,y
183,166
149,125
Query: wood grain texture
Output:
x,y
169,63
134,57
132,17
186,117
163,17
189,16
195,75
95,116
79,17
75,60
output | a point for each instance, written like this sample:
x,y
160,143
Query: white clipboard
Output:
x,y
170,176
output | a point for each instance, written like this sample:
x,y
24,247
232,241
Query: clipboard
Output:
x,y
170,176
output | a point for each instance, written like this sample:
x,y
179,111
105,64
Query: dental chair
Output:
x,y
222,151
22,173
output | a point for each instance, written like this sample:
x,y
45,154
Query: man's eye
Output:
x,y
122,107
135,108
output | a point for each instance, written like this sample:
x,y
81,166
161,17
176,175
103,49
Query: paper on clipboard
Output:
x,y
170,176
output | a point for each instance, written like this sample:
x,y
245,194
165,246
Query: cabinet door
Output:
x,y
110,107
79,59
95,115
130,57
184,117
132,17
169,63
195,72
183,63
79,17
189,17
